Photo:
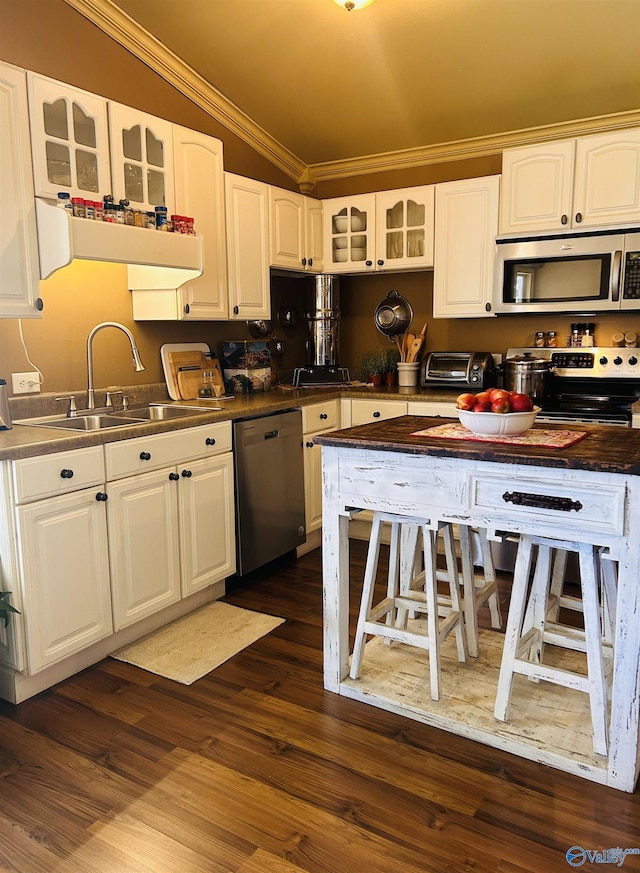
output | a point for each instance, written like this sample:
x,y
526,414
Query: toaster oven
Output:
x,y
476,370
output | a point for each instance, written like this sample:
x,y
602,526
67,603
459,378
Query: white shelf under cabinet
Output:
x,y
156,260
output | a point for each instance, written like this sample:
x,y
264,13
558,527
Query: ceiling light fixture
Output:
x,y
349,5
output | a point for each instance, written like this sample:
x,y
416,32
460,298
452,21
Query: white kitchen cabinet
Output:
x,y
405,228
366,411
465,232
69,140
143,545
585,182
63,561
295,231
349,233
316,418
171,529
199,192
141,158
247,217
19,267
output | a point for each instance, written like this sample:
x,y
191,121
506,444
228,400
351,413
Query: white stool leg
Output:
x,y
490,578
367,595
409,535
514,627
557,583
394,569
454,588
431,595
469,590
595,666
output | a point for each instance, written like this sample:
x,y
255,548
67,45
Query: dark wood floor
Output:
x,y
256,769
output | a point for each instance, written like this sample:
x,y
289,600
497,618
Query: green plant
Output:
x,y
371,363
390,357
6,607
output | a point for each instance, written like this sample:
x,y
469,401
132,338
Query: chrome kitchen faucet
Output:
x,y
138,366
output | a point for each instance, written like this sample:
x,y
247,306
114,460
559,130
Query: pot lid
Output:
x,y
526,361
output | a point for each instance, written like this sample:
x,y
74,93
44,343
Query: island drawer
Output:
x,y
567,506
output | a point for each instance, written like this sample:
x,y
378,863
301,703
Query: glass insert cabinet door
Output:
x,y
142,158
349,233
69,140
405,228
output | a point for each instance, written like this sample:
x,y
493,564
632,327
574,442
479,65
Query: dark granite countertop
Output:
x,y
24,441
604,449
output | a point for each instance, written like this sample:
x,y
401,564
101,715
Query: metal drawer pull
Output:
x,y
542,501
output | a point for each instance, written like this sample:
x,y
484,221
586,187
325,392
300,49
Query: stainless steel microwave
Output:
x,y
579,273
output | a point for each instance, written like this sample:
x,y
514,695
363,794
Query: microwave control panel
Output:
x,y
631,286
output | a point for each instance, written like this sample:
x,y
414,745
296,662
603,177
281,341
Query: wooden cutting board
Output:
x,y
189,381
170,374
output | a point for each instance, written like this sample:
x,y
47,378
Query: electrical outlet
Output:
x,y
25,383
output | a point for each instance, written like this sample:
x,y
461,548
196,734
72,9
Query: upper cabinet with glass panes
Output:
x,y
141,158
389,230
69,140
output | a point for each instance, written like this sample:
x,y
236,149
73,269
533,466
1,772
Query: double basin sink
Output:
x,y
102,419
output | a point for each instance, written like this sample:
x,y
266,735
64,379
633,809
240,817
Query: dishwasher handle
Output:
x,y
271,434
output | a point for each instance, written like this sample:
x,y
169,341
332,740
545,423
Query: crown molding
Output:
x,y
464,149
143,45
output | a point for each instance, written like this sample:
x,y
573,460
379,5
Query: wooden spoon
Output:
x,y
414,349
408,340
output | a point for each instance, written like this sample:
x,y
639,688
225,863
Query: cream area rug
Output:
x,y
193,646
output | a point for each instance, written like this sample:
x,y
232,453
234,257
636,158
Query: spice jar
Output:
x,y
78,207
151,220
588,335
552,339
64,200
161,217
539,340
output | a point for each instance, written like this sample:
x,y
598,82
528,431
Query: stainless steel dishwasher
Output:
x,y
269,488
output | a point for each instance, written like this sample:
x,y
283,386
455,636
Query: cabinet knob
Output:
x,y
323,416
145,456
236,310
381,263
186,308
187,474
66,474
173,477
311,262
376,415
210,441
487,307
564,219
39,304
101,497
304,262
309,444
578,217
368,263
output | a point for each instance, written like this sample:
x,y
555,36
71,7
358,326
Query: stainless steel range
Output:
x,y
596,385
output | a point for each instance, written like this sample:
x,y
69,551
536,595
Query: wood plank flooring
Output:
x,y
256,769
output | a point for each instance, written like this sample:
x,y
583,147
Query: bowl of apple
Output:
x,y
496,412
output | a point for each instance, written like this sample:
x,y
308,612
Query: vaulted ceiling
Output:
x,y
398,80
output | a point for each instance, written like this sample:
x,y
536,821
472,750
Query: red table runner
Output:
x,y
550,439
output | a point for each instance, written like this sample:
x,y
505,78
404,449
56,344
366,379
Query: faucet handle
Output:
x,y
125,400
72,409
111,393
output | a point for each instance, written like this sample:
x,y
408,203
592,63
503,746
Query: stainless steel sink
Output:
x,y
160,412
86,421
82,422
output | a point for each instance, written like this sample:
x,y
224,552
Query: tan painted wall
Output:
x,y
49,37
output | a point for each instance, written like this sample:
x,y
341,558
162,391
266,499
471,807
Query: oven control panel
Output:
x,y
599,361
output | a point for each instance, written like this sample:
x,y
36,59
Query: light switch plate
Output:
x,y
25,383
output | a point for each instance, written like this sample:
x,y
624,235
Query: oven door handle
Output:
x,y
615,276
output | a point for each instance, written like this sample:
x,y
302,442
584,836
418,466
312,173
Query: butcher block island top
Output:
x,y
605,449
586,492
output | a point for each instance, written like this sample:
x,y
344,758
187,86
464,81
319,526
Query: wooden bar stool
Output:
x,y
529,627
477,588
389,617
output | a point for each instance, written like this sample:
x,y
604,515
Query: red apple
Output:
x,y
501,405
498,394
465,401
482,406
483,397
521,403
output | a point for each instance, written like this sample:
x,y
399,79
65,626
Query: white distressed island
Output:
x,y
589,492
